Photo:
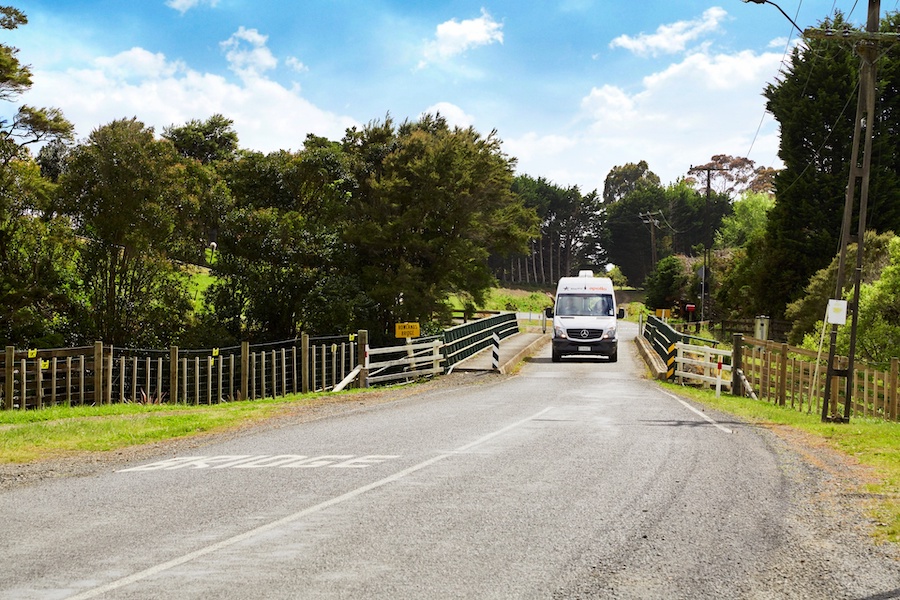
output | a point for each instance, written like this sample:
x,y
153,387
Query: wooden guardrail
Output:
x,y
102,374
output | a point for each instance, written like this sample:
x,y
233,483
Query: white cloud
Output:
x,y
674,38
247,53
706,104
267,116
296,64
137,63
183,6
456,37
455,116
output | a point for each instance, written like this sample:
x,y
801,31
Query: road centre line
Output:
x,y
175,562
703,415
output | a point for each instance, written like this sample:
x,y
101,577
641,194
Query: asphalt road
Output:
x,y
573,480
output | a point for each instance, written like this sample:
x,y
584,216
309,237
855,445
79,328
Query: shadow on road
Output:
x,y
679,423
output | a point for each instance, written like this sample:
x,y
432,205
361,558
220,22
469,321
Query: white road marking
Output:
x,y
264,461
175,562
703,415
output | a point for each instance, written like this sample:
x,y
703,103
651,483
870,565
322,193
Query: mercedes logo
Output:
x,y
584,333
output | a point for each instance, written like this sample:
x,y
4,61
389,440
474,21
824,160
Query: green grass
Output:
x,y
873,443
200,280
27,436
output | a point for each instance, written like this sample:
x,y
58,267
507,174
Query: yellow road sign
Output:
x,y
406,330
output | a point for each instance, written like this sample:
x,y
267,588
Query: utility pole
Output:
x,y
867,47
707,242
650,218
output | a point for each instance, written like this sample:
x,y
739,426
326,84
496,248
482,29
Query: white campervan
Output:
x,y
584,317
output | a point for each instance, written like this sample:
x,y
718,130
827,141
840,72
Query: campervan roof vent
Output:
x,y
585,273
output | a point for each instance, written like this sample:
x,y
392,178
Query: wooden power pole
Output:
x,y
866,44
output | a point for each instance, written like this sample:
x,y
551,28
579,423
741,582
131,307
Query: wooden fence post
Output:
x,y
98,373
304,363
245,370
363,353
10,383
737,386
173,374
38,383
893,389
109,375
782,375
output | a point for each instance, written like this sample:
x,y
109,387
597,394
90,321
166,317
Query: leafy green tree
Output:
x,y
690,218
808,310
731,176
36,261
282,266
30,124
210,141
127,195
568,238
35,245
747,222
667,284
878,327
739,260
432,204
628,236
812,103
624,179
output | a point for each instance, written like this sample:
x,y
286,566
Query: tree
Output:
x,y
431,204
808,310
35,245
810,102
36,261
622,180
667,284
630,233
282,267
29,125
210,141
747,222
127,196
739,260
568,239
730,176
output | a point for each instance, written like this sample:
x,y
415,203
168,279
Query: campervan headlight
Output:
x,y
610,333
559,331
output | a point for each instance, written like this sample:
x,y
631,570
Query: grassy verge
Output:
x,y
27,436
873,443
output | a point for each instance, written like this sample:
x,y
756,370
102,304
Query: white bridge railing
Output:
x,y
704,364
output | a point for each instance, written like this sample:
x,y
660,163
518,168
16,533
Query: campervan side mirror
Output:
x,y
548,312
621,314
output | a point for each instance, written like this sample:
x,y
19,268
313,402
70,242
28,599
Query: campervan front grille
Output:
x,y
584,334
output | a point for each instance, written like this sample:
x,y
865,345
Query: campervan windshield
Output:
x,y
572,305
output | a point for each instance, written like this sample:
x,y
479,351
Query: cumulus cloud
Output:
x,y
247,53
658,121
456,37
455,116
296,64
183,6
267,115
672,38
137,63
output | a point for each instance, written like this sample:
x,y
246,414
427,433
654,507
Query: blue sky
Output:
x,y
573,87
